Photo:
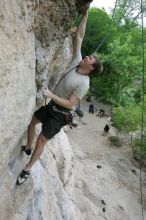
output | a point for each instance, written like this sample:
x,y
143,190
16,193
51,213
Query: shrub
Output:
x,y
127,118
114,140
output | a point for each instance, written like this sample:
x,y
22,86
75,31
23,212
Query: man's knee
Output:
x,y
42,139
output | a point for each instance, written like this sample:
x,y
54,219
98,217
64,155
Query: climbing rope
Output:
x,y
142,114
142,124
104,39
143,71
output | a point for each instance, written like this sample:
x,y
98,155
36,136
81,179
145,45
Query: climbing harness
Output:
x,y
55,109
68,114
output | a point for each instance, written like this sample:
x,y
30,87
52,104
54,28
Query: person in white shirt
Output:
x,y
72,87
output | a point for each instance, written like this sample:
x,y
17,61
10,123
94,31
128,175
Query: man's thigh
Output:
x,y
42,114
51,127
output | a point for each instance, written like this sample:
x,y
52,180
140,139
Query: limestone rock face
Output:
x,y
17,73
48,193
53,22
36,46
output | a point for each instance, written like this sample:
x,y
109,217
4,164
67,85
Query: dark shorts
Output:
x,y
51,121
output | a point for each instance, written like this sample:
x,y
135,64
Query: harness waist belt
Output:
x,y
59,108
55,109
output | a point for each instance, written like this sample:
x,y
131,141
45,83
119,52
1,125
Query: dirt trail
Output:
x,y
107,182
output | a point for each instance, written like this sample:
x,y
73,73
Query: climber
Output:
x,y
65,96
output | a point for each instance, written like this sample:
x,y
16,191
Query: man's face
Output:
x,y
88,62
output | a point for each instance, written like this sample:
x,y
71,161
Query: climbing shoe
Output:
x,y
23,177
28,151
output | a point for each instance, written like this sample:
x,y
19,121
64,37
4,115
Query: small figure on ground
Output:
x,y
91,108
101,113
106,129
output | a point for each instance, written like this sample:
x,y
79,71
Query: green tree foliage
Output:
x,y
127,10
127,118
97,25
124,63
121,56
121,82
121,67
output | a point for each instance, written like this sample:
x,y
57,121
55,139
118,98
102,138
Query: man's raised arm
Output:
x,y
80,32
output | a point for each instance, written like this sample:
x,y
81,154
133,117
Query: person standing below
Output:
x,y
72,87
91,108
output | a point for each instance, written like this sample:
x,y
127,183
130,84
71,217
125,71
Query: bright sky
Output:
x,y
108,5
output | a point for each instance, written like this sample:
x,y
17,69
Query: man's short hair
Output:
x,y
98,66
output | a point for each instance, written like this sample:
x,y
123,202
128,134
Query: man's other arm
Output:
x,y
66,103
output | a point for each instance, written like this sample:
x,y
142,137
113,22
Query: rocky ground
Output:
x,y
107,182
